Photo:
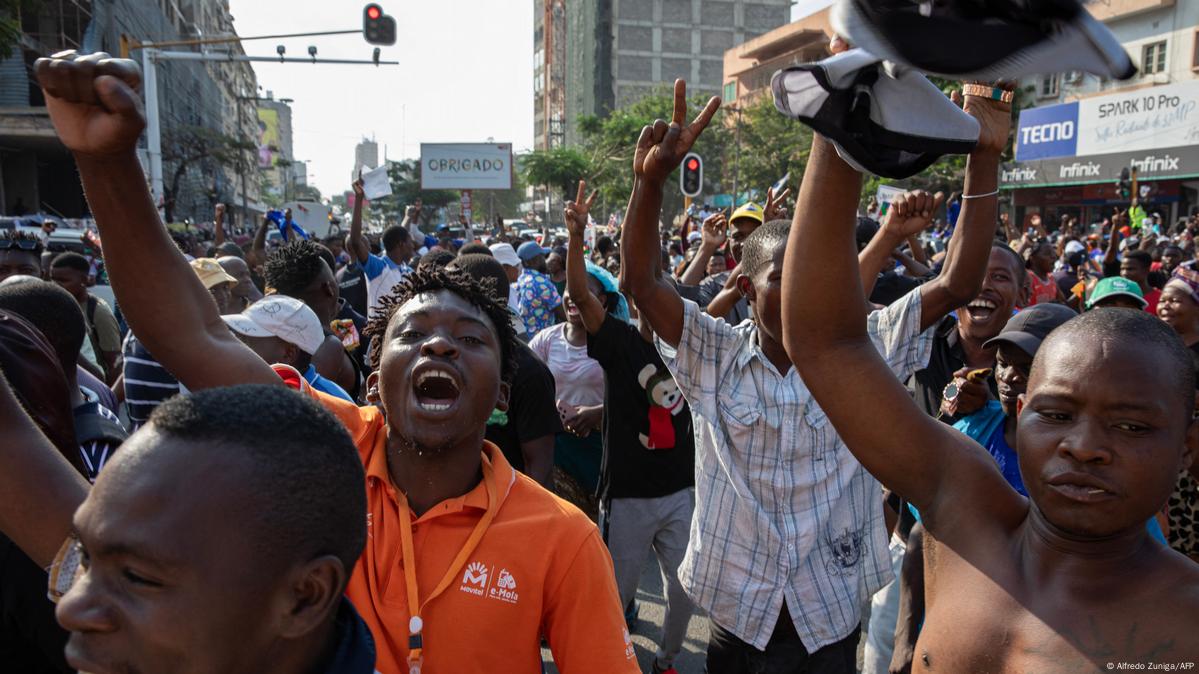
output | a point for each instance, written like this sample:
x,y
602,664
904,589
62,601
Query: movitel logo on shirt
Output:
x,y
474,579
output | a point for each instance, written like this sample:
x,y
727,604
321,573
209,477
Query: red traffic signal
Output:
x,y
377,27
691,178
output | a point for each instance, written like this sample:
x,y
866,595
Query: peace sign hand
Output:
x,y
776,208
576,211
662,146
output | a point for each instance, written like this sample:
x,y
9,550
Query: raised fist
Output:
x,y
93,101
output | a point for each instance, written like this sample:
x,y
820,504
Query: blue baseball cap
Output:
x,y
529,250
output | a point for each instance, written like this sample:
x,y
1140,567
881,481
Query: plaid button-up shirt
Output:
x,y
784,512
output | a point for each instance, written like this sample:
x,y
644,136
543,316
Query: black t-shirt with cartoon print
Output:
x,y
649,445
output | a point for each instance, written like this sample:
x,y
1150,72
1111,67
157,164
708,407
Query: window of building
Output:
x,y
1049,86
730,91
1195,50
1153,58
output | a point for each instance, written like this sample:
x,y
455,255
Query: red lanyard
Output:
x,y
416,644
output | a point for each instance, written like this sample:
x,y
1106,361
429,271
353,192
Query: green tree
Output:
x,y
11,12
186,147
609,142
558,168
404,176
949,172
502,203
771,146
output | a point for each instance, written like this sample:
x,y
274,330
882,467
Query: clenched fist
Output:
x,y
93,101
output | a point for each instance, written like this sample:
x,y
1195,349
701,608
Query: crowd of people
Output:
x,y
419,453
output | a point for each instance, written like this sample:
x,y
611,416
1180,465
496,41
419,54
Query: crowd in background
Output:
x,y
662,376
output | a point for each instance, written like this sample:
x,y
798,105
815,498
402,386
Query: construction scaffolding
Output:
x,y
54,25
549,75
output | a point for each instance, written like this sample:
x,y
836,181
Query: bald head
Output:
x,y
245,292
1108,330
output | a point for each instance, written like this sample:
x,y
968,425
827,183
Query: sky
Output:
x,y
465,75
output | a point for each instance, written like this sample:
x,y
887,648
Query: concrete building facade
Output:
x,y
366,153
618,51
1161,36
37,170
749,66
275,161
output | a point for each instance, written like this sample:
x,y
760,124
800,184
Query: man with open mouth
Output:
x,y
467,562
959,343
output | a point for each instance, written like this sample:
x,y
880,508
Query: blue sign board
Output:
x,y
1048,132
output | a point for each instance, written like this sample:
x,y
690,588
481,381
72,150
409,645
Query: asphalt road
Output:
x,y
649,629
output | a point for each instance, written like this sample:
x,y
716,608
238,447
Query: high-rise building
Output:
x,y
366,153
621,50
275,151
549,73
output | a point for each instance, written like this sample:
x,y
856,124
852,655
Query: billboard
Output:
x,y
268,137
465,166
1051,131
1151,118
1163,164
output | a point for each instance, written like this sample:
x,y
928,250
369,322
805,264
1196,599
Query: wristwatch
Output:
x,y
951,391
987,91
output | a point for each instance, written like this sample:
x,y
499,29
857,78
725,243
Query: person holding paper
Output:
x,y
382,272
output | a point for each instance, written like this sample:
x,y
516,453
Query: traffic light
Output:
x,y
691,178
377,27
1124,186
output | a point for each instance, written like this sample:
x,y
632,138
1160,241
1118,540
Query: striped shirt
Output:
x,y
783,511
147,384
382,274
96,452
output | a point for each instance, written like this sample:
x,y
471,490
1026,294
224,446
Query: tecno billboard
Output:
x,y
465,166
1155,129
1144,119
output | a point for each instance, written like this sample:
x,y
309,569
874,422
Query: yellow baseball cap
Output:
x,y
211,273
750,210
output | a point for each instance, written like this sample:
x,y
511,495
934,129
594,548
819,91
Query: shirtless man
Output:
x,y
1067,580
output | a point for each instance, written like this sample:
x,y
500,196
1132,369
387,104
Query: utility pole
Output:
x,y
151,57
737,160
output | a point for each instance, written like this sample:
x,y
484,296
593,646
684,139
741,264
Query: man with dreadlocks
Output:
x,y
467,563
300,269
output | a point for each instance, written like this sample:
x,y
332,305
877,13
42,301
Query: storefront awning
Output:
x,y
1163,164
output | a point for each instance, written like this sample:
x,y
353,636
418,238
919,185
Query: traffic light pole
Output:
x,y
151,57
153,126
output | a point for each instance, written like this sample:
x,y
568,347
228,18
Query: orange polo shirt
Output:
x,y
540,568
